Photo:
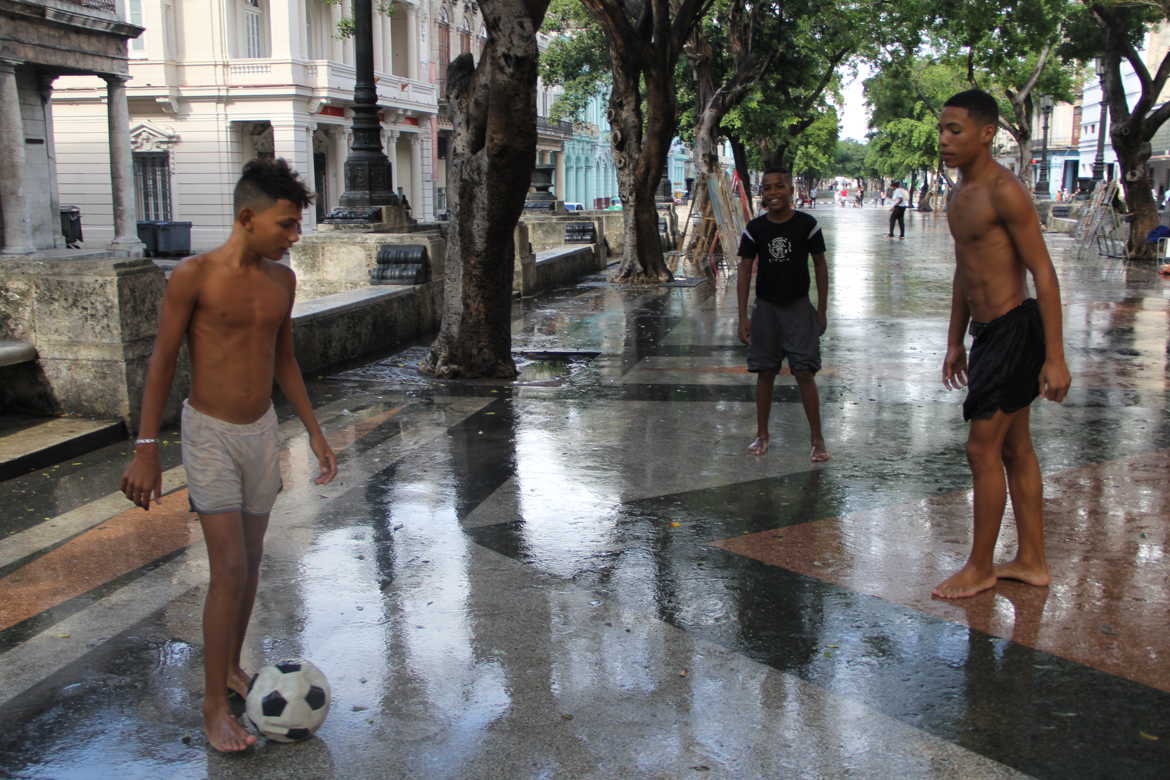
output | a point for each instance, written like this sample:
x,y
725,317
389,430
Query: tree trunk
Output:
x,y
739,153
1134,154
1023,157
640,160
492,156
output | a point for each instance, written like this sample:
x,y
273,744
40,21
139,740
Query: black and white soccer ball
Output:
x,y
288,701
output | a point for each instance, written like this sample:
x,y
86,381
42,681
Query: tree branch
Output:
x,y
1040,63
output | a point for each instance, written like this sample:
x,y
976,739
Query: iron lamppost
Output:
x,y
1099,160
1042,180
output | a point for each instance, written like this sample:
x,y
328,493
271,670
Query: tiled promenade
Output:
x,y
584,575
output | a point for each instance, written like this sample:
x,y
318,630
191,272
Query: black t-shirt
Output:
x,y
783,249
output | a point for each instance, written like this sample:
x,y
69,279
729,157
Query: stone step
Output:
x,y
31,443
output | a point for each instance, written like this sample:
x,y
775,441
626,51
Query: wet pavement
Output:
x,y
583,574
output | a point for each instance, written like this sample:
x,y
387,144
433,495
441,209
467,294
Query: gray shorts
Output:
x,y
789,330
231,467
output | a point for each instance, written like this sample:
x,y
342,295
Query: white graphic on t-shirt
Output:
x,y
780,250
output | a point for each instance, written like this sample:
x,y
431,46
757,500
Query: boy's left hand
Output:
x,y
325,458
1054,380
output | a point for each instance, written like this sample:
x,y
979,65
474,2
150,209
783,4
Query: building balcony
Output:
x,y
547,126
324,79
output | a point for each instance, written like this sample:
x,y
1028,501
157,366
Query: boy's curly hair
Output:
x,y
267,180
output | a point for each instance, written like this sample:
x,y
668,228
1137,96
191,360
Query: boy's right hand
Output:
x,y
745,330
142,480
955,368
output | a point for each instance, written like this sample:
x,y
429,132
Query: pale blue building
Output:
x,y
589,172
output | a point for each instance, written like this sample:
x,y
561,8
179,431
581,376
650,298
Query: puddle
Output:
x,y
537,368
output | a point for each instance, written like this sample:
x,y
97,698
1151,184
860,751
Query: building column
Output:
x,y
121,168
412,35
309,176
562,186
17,238
290,141
390,143
45,85
286,29
416,177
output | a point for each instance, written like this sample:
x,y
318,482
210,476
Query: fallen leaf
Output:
x,y
1150,737
675,525
63,636
683,673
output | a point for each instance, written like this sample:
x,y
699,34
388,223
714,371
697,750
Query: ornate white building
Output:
x,y
215,83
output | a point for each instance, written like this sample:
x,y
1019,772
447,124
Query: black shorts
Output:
x,y
1003,373
785,330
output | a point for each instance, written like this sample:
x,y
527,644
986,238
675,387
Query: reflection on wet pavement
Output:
x,y
582,574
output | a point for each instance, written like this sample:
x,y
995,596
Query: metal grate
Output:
x,y
152,185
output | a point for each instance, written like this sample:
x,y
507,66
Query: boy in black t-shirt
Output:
x,y
783,323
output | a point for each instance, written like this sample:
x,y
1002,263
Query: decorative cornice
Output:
x,y
146,137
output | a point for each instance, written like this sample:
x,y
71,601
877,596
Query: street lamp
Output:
x,y
1099,160
367,169
1042,181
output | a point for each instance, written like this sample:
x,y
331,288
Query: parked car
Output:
x,y
574,206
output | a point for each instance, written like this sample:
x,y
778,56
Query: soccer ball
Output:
x,y
288,701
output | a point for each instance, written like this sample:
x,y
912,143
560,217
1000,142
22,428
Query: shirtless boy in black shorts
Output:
x,y
1018,351
233,305
784,324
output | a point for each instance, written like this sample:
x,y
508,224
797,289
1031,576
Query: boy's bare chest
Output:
x,y
228,306
971,216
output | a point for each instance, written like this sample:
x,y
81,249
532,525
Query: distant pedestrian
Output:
x,y
1018,350
812,194
901,199
882,198
783,324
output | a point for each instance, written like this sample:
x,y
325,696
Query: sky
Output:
x,y
854,117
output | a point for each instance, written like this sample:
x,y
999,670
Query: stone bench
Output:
x,y
13,353
562,265
18,375
344,326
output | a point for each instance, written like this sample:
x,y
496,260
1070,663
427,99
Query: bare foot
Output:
x,y
225,733
238,682
819,453
1031,575
758,446
966,583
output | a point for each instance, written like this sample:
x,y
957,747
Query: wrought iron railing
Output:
x,y
555,127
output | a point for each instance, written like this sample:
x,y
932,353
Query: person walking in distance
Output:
x,y
901,199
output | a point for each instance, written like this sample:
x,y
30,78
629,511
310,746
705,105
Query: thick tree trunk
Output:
x,y
640,159
1134,155
493,152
